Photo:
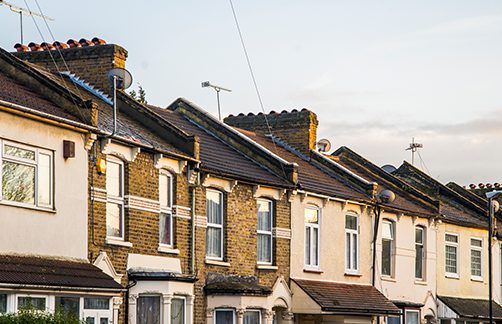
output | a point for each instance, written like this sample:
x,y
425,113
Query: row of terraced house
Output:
x,y
176,217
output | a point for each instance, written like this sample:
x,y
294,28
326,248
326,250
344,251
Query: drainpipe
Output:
x,y
192,189
376,211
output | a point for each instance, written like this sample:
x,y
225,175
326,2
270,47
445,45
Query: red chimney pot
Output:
x,y
73,43
60,45
21,48
98,41
85,42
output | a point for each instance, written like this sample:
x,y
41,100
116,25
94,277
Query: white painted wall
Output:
x,y
60,233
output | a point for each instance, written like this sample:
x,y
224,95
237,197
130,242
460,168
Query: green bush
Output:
x,y
35,317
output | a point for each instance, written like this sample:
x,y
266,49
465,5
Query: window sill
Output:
x,y
477,279
218,263
167,249
388,278
452,275
114,241
19,205
420,282
319,271
352,274
266,267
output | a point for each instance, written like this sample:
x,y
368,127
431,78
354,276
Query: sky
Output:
x,y
376,73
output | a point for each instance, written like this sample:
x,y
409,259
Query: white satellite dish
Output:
x,y
123,77
323,145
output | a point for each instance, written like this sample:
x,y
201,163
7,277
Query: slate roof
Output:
x,y
405,201
39,271
220,158
222,284
472,308
342,298
312,176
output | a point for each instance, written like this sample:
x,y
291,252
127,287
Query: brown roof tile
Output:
x,y
472,308
347,298
31,270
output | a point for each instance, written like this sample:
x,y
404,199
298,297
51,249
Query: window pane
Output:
x,y
348,250
311,215
411,317
19,152
148,310
315,246
264,248
224,317
351,222
177,311
113,220
251,317
355,250
3,303
96,303
393,320
165,228
114,179
68,305
419,250
90,320
307,245
264,216
387,231
476,242
165,184
386,257
451,259
419,235
18,182
104,320
37,303
451,238
213,207
476,263
44,179
213,242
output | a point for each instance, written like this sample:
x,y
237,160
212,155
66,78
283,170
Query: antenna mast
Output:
x,y
23,11
217,89
414,148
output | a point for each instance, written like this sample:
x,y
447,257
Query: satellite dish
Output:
x,y
323,145
123,77
389,168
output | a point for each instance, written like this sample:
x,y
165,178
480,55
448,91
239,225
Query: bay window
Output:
x,y
166,204
388,241
68,305
412,317
224,316
476,259
214,230
252,317
115,198
419,252
312,219
31,302
26,175
351,243
178,310
148,310
264,232
451,251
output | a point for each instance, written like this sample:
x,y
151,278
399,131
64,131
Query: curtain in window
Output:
x,y
224,317
165,228
252,317
412,318
213,242
264,248
177,311
148,310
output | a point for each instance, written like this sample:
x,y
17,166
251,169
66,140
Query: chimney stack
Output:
x,y
297,128
90,60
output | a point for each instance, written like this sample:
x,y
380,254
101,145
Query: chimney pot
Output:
x,y
489,185
60,45
497,185
472,186
34,47
481,185
73,43
21,48
85,42
98,41
47,46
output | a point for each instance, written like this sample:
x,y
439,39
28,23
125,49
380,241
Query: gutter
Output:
x,y
61,288
344,169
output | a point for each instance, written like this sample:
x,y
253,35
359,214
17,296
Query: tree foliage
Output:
x,y
139,96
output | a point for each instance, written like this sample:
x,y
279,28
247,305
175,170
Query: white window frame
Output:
x,y
406,311
480,249
392,248
215,225
269,233
354,237
224,310
311,226
456,246
422,257
254,311
117,200
32,163
184,306
167,209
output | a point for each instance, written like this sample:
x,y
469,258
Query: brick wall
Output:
x,y
297,128
240,241
90,63
141,227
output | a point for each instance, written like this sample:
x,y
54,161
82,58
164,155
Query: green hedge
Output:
x,y
29,317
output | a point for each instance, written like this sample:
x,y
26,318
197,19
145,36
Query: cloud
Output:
x,y
477,24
